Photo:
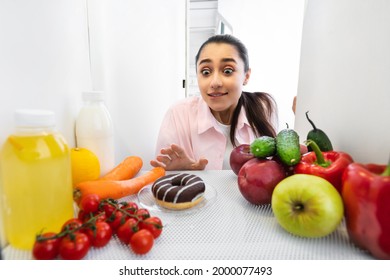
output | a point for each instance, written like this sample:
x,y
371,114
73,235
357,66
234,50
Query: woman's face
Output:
x,y
221,76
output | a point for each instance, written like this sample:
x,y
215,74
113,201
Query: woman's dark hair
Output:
x,y
230,40
259,107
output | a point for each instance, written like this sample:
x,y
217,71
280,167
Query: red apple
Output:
x,y
240,155
288,169
258,178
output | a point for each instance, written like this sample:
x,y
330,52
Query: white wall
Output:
x,y
139,61
271,30
344,77
43,60
137,58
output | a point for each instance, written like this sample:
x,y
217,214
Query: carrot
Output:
x,y
127,169
116,189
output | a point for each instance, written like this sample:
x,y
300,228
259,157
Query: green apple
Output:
x,y
307,205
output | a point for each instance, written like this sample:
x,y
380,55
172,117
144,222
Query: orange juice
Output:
x,y
36,185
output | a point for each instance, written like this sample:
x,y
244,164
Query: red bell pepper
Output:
x,y
366,196
328,165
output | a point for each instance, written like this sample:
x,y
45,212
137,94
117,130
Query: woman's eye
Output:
x,y
228,71
205,72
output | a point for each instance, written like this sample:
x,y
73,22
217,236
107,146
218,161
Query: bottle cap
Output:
x,y
34,118
92,95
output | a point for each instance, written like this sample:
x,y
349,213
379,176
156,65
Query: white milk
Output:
x,y
94,130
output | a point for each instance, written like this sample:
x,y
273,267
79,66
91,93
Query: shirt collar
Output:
x,y
206,119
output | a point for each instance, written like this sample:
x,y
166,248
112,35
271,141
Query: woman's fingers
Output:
x,y
200,165
178,151
161,161
170,153
175,158
156,163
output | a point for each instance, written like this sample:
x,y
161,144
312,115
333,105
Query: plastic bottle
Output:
x,y
94,130
36,179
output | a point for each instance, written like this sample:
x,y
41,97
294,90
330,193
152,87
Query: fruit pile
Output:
x,y
312,188
97,222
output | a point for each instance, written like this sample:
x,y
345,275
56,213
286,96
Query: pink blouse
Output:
x,y
191,125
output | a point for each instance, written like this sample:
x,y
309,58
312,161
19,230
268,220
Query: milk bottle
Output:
x,y
94,130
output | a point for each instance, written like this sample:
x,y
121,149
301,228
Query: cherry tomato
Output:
x,y
100,235
72,224
141,242
74,246
126,231
90,203
98,216
46,249
152,224
130,207
116,220
101,217
108,209
82,216
142,213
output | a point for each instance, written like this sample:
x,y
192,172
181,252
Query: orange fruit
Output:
x,y
85,165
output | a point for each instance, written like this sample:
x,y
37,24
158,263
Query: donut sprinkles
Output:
x,y
178,191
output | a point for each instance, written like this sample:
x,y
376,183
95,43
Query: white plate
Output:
x,y
146,200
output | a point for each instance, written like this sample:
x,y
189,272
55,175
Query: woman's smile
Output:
x,y
217,94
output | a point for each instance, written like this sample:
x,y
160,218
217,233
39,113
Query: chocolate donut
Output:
x,y
178,191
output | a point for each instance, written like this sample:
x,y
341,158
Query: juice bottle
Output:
x,y
36,179
94,130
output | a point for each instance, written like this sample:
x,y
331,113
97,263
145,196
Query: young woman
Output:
x,y
200,132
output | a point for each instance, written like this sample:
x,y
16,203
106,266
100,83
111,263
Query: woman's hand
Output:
x,y
175,158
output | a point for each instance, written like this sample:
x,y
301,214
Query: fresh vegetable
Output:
x,y
328,165
153,224
118,189
116,219
72,224
288,147
130,207
90,203
99,234
142,213
318,136
46,247
127,230
95,227
109,207
127,169
366,196
263,146
142,242
74,246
